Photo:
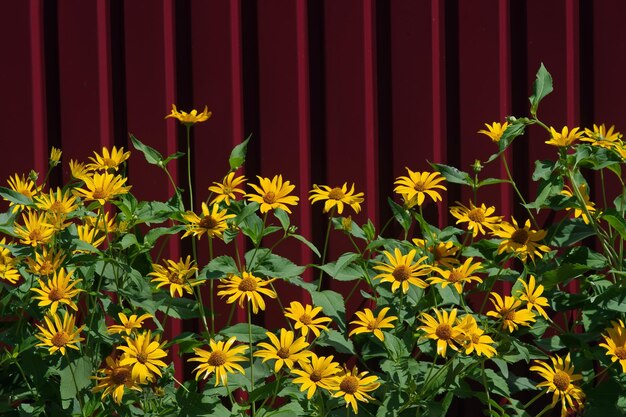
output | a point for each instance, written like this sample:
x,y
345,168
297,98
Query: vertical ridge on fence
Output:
x,y
38,90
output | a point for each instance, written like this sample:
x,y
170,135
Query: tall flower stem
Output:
x,y
188,131
517,191
211,290
253,409
325,250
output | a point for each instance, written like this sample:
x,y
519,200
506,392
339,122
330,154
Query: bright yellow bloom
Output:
x,y
579,212
90,235
143,354
318,373
178,275
228,189
532,296
108,161
599,136
354,386
246,287
522,241
221,359
286,351
24,186
273,194
45,263
58,205
212,222
55,156
36,230
8,270
129,324
458,276
473,339
401,271
191,118
116,378
336,197
305,318
57,335
367,323
443,252
79,170
616,343
495,130
418,185
478,218
508,310
565,138
444,329
102,187
559,378
58,289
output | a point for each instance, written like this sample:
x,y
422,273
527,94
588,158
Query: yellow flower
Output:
x,y
57,335
191,118
318,373
58,289
305,319
246,287
401,271
58,205
508,311
221,359
579,212
102,187
443,252
418,185
616,343
178,275
559,378
55,156
457,276
45,263
36,230
143,354
336,197
129,324
443,329
24,186
532,296
8,271
212,222
79,170
273,194
473,339
599,136
108,161
116,378
565,138
477,218
495,130
89,235
228,189
367,323
354,386
522,241
286,351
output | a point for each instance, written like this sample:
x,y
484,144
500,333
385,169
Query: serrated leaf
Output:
x,y
240,331
336,340
238,154
541,88
333,305
15,197
153,156
452,174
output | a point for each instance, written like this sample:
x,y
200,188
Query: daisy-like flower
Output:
x,y
46,263
444,253
57,335
532,295
55,156
102,187
418,185
601,137
522,241
273,194
478,218
579,212
336,197
458,276
178,275
24,186
8,271
212,222
246,287
191,118
79,170
508,310
222,359
565,138
143,354
319,373
58,205
108,161
228,189
401,271
559,378
444,329
90,235
474,339
129,324
36,230
115,380
305,318
353,386
367,323
58,290
615,345
495,130
286,351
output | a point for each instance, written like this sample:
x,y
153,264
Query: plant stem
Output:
x,y
517,191
330,218
252,404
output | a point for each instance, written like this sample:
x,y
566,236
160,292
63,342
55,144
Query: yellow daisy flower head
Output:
x,y
179,276
45,263
191,118
599,136
402,272
522,241
90,235
273,194
589,205
494,130
212,222
114,379
509,311
458,276
318,373
560,378
143,354
478,218
246,287
417,185
444,329
228,189
565,138
109,161
24,186
532,295
55,156
58,205
102,187
286,351
474,339
58,290
368,323
79,170
58,335
336,197
444,253
8,270
36,230
129,324
615,345
222,359
102,221
306,318
353,386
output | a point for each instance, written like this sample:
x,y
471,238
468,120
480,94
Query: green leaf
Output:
x,y
401,214
74,379
15,197
153,156
570,231
224,264
541,88
282,217
273,266
543,170
240,331
491,181
333,305
612,217
563,273
173,156
452,174
306,242
336,340
343,269
238,154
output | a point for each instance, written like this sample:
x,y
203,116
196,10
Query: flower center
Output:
x,y
46,268
109,163
372,325
175,278
99,193
120,375
455,276
142,357
208,222
55,294
508,315
561,380
282,353
247,284
401,273
520,236
444,331
419,186
316,376
269,197
305,319
438,251
57,207
350,384
620,352
476,215
217,358
475,338
60,339
35,235
336,194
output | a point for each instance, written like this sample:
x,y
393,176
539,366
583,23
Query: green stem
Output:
x,y
535,398
188,131
486,386
517,191
330,221
211,290
253,410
